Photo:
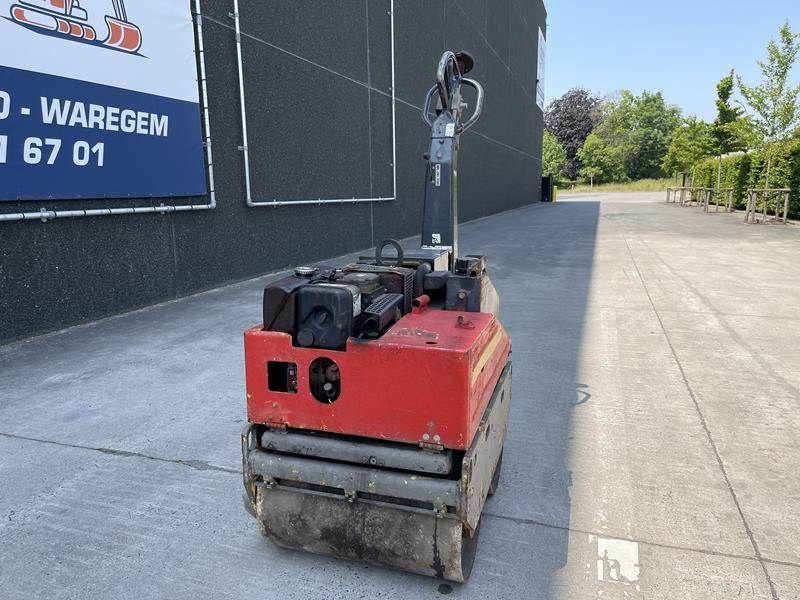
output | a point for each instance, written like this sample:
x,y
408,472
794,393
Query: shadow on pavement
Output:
x,y
542,268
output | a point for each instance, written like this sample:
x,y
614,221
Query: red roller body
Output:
x,y
427,379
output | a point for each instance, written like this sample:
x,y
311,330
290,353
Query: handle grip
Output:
x,y
449,79
426,107
476,114
443,77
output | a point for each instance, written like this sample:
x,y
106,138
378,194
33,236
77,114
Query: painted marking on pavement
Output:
x,y
617,560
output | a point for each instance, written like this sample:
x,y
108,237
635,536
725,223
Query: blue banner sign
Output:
x,y
96,102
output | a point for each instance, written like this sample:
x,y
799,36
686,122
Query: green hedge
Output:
x,y
735,174
784,172
744,171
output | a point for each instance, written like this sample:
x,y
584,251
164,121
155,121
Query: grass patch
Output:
x,y
643,185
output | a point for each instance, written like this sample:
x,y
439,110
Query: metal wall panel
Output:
x,y
318,98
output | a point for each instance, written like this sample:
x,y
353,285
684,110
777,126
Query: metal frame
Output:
x,y
693,196
672,194
766,194
246,153
45,215
716,194
678,195
698,196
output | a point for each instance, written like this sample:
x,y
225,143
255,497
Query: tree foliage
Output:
x,y
773,102
602,161
692,141
633,137
729,130
571,118
554,157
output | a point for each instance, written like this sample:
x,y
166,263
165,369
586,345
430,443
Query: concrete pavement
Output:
x,y
653,449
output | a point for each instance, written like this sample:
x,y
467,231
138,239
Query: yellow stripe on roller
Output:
x,y
488,352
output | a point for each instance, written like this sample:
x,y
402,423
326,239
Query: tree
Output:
x,y
640,129
554,158
727,129
571,118
773,103
601,160
731,130
692,141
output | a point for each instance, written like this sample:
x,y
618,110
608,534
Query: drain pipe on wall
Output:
x,y
198,19
44,214
245,151
239,62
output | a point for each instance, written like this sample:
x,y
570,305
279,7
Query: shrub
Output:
x,y
784,171
735,173
554,157
705,173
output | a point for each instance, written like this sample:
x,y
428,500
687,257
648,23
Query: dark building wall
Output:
x,y
318,98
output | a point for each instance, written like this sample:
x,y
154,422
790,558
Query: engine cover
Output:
x,y
428,379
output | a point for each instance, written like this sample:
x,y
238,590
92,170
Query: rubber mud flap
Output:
x,y
402,537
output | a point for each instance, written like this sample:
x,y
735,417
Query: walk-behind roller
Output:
x,y
378,392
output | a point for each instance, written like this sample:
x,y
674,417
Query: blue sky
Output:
x,y
680,47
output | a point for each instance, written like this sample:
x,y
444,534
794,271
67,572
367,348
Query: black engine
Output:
x,y
320,307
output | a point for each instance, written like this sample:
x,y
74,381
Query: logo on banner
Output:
x,y
68,19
